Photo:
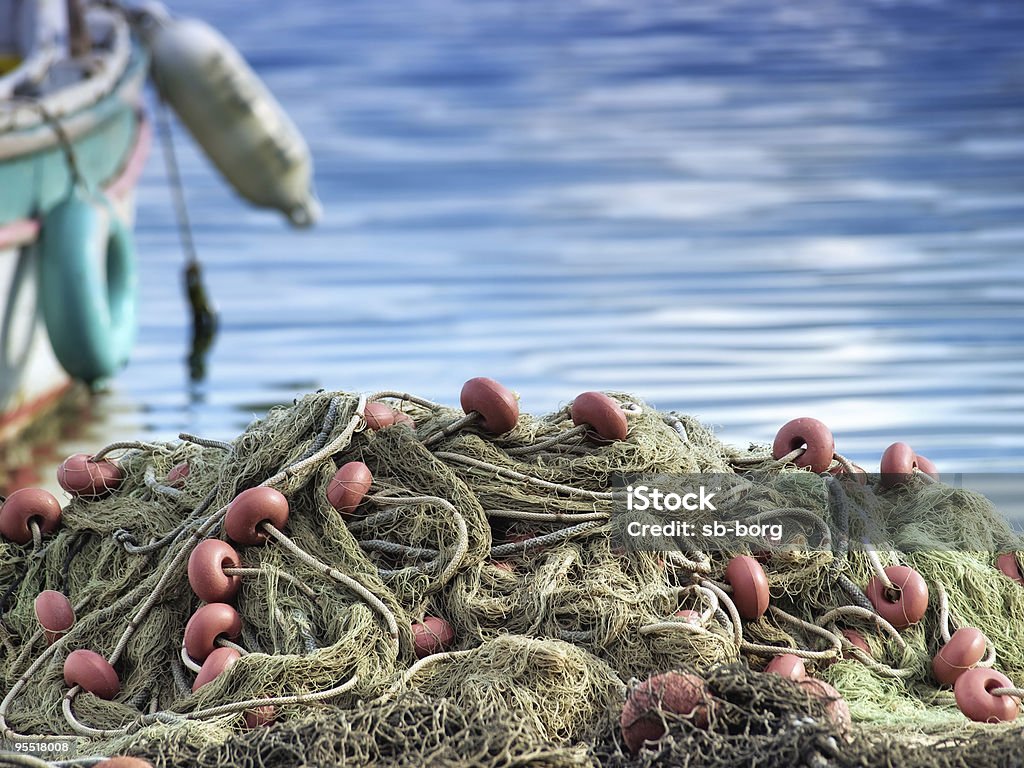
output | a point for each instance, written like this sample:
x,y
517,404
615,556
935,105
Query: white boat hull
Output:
x,y
32,381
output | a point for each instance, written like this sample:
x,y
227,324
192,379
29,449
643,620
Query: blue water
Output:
x,y
747,211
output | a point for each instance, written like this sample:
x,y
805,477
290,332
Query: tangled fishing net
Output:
x,y
479,603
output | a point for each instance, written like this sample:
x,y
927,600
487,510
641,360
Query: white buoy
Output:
x,y
231,114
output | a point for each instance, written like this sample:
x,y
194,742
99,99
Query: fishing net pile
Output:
x,y
394,582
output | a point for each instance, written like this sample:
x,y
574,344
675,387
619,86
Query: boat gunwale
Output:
x,y
26,113
125,92
21,232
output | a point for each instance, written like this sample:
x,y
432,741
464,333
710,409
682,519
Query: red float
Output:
x,y
836,705
250,510
92,672
496,404
123,761
404,418
178,475
432,635
975,699
690,617
810,434
910,602
680,693
1007,563
378,415
211,621
602,414
749,586
963,651
27,505
261,716
55,614
856,639
349,485
899,462
787,665
206,574
80,476
927,466
217,662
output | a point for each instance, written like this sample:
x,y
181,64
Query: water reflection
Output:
x,y
742,211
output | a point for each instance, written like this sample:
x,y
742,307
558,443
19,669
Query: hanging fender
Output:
x,y
87,287
231,114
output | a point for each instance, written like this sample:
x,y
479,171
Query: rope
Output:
x,y
367,596
461,545
538,542
425,662
406,397
127,445
225,643
149,478
277,572
188,661
876,565
563,437
548,517
461,422
204,318
458,458
206,442
1017,693
866,614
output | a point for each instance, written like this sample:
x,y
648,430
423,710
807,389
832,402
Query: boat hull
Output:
x,y
110,141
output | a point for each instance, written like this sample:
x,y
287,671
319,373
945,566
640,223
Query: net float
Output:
x,y
680,693
24,507
55,614
503,565
602,414
963,651
835,704
689,616
749,586
206,574
974,697
178,475
378,415
210,622
899,462
857,640
217,662
787,665
810,434
910,602
260,716
401,417
495,403
92,673
1007,563
83,477
123,761
927,466
348,486
432,635
250,510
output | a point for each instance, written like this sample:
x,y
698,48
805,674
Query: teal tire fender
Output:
x,y
87,287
